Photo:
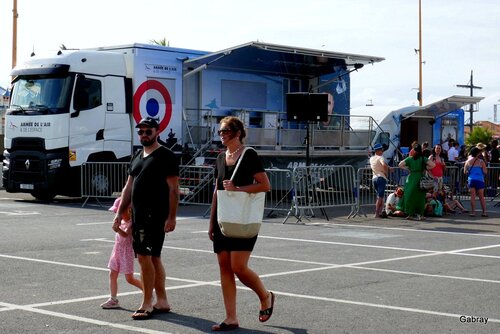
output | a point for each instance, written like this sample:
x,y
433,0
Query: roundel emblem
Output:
x,y
152,99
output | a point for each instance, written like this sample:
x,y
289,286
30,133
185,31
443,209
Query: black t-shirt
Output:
x,y
250,165
150,191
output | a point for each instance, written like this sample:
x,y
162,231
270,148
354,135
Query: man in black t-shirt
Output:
x,y
153,191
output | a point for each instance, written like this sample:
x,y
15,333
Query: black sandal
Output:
x,y
222,327
142,315
266,314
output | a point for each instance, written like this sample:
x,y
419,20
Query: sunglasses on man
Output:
x,y
147,132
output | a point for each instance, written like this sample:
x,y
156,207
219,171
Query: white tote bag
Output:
x,y
239,213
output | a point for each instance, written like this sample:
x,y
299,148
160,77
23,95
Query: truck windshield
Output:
x,y
41,95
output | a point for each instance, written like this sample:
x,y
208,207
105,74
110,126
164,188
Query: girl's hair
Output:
x,y
434,150
418,151
474,152
235,124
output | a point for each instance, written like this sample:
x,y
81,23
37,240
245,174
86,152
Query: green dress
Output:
x,y
413,201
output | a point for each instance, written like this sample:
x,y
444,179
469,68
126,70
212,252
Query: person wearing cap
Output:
x,y
122,256
380,170
483,153
152,188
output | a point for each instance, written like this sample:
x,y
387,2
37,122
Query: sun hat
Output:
x,y
377,147
480,146
116,205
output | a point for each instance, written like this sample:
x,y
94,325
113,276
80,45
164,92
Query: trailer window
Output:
x,y
88,94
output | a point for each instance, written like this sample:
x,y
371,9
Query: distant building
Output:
x,y
494,128
4,102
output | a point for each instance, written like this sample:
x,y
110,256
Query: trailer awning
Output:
x,y
275,59
441,108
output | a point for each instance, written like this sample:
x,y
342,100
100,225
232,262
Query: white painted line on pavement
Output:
x,y
110,222
216,283
82,319
382,306
407,229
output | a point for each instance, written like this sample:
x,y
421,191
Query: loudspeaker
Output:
x,y
312,107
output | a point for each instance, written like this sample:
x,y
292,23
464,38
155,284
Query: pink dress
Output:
x,y
122,256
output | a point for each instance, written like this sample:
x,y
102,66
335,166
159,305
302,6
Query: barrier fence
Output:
x,y
296,192
321,188
102,179
491,190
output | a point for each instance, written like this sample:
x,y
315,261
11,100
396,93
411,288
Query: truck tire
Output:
x,y
44,196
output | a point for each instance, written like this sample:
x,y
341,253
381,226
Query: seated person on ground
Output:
x,y
392,202
433,207
450,205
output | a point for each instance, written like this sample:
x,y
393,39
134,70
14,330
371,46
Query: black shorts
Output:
x,y
148,238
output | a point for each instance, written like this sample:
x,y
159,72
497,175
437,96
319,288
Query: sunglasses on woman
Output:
x,y
221,131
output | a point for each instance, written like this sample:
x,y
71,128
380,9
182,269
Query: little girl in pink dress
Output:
x,y
122,257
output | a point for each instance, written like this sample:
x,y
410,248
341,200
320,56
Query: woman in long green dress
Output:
x,y
413,201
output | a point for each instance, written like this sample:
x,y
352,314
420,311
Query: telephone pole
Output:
x,y
420,52
471,86
14,33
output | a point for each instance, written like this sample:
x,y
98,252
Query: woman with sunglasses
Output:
x,y
233,253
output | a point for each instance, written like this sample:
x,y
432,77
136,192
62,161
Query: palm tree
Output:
x,y
479,135
162,42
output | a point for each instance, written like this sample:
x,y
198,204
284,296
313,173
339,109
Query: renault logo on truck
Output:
x,y
27,163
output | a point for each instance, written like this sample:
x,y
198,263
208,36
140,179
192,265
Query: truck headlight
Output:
x,y
54,163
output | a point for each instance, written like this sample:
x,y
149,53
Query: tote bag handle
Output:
x,y
239,161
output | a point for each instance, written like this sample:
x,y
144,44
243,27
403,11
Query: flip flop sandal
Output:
x,y
161,310
142,315
222,327
266,314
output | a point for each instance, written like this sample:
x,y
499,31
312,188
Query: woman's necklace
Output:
x,y
229,154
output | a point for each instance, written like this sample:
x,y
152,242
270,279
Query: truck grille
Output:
x,y
27,169
26,160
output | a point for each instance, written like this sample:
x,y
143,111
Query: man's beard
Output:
x,y
148,142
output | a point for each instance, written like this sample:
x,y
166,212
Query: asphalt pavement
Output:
x,y
335,275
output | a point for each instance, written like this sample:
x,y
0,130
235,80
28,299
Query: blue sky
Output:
x,y
458,36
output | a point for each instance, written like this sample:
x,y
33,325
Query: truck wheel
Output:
x,y
44,196
100,184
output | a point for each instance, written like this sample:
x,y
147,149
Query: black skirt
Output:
x,y
222,243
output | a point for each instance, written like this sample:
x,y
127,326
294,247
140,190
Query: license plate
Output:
x,y
27,186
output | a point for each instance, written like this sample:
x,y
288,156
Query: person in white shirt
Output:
x,y
380,171
392,203
453,153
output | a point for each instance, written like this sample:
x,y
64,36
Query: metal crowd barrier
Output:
x,y
296,192
279,199
491,190
106,180
320,188
196,184
102,179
